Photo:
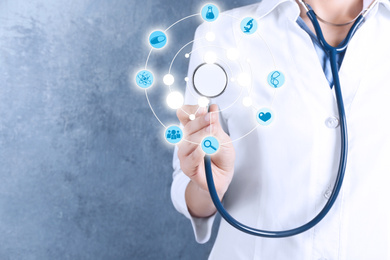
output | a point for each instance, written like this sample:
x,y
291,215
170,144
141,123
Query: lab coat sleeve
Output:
x,y
201,226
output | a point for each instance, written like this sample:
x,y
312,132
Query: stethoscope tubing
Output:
x,y
343,153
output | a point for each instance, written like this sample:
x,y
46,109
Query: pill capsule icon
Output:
x,y
158,39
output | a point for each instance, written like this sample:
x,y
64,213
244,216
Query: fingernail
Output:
x,y
207,117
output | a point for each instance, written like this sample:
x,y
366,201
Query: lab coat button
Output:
x,y
332,122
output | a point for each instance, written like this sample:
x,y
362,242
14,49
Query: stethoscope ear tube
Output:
x,y
343,153
321,38
321,214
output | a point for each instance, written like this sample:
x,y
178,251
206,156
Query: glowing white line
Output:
x,y
251,86
191,142
216,46
180,21
273,58
255,109
231,72
227,64
147,60
146,64
235,140
235,101
273,99
188,114
197,110
250,89
269,49
230,69
177,53
231,16
146,94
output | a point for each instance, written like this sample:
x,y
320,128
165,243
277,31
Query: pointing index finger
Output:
x,y
185,112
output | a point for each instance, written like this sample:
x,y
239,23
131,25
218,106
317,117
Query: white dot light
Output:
x,y
203,102
210,57
192,117
175,100
244,80
187,55
168,79
247,101
232,54
186,79
210,36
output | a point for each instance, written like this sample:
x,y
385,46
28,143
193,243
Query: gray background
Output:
x,y
84,170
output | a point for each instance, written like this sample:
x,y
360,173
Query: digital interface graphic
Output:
x,y
212,77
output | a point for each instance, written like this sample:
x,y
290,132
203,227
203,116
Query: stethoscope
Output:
x,y
332,51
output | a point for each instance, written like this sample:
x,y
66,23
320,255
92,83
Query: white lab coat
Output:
x,y
284,172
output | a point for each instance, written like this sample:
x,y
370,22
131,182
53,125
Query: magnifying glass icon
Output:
x,y
208,144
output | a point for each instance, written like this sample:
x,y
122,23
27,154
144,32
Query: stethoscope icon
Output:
x,y
208,144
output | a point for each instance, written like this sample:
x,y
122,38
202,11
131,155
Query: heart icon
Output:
x,y
265,117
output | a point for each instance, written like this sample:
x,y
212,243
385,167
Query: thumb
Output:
x,y
213,108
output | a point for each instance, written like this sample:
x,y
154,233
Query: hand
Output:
x,y
190,152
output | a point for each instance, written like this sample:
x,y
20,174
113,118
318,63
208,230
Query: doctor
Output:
x,y
279,177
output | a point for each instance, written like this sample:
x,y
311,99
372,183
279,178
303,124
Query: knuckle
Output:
x,y
194,157
210,129
187,129
184,168
195,126
180,154
179,114
198,153
180,158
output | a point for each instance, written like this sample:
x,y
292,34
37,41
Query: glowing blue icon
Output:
x,y
210,145
249,25
144,79
276,79
158,39
210,12
265,116
173,134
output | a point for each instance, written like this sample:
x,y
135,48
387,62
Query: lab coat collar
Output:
x,y
291,8
366,3
386,3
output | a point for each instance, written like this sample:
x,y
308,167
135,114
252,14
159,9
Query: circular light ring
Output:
x,y
223,86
